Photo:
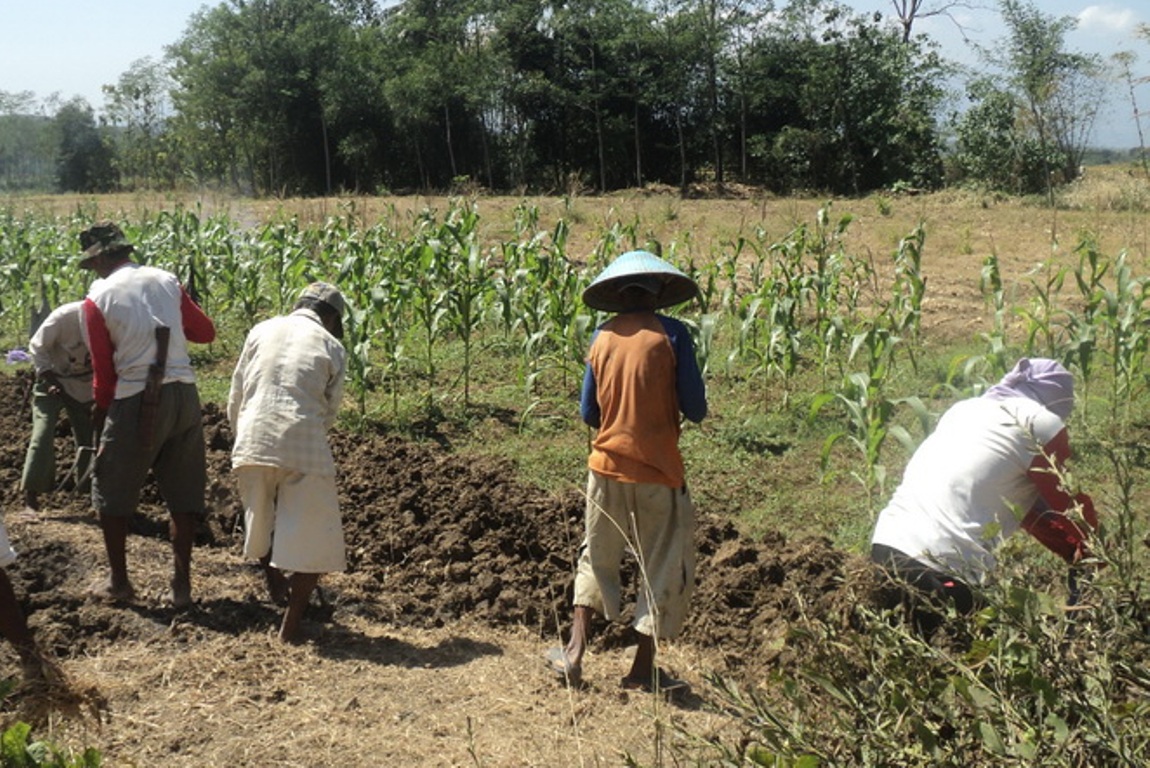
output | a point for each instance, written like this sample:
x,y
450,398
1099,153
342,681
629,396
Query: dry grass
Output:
x,y
1109,201
184,693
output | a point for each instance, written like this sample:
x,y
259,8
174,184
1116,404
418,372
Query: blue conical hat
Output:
x,y
643,268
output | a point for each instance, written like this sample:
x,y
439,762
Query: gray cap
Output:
x,y
327,293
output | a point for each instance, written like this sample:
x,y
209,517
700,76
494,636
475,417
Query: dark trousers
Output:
x,y
927,592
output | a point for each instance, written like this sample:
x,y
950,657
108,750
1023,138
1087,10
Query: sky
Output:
x,y
73,48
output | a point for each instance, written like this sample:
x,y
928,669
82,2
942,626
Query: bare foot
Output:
x,y
277,585
31,511
27,515
105,590
295,637
181,595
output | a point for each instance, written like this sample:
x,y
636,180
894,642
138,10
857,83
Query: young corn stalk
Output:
x,y
359,256
429,305
870,413
470,284
1042,316
286,248
1081,329
905,309
1124,315
995,361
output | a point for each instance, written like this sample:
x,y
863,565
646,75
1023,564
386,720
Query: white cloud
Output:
x,y
1107,18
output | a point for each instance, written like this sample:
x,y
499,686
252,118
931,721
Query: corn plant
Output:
x,y
429,302
567,340
870,413
785,339
617,238
1043,315
1123,316
19,750
707,278
38,272
908,291
389,302
747,313
1080,328
357,255
286,250
543,281
470,282
703,338
995,360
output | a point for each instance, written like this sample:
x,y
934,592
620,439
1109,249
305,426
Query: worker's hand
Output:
x,y
53,383
1085,558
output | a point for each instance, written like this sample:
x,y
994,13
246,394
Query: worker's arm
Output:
x,y
589,395
1047,521
689,386
198,327
102,350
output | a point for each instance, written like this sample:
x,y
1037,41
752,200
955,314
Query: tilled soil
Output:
x,y
451,562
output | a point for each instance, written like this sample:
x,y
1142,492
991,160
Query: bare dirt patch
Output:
x,y
428,651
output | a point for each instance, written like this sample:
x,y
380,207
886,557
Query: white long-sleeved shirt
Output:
x,y
58,347
285,394
969,485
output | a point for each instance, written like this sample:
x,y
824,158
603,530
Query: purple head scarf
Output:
x,y
1042,380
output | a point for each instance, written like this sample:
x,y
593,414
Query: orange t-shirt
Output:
x,y
635,375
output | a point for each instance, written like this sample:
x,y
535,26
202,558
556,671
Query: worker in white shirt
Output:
x,y
285,395
63,385
993,465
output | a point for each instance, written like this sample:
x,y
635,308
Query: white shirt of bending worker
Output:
x,y
285,395
989,469
58,348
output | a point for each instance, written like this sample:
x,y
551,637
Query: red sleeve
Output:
x,y
1047,521
101,349
198,327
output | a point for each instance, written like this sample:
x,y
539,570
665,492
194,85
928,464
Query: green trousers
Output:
x,y
40,461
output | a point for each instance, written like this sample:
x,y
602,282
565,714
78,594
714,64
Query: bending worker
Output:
x,y
994,464
285,396
63,383
138,321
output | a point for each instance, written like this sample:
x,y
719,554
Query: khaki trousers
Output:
x,y
657,524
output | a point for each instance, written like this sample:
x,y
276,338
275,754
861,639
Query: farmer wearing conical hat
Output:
x,y
641,375
992,466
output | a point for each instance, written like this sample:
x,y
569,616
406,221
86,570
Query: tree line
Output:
x,y
306,97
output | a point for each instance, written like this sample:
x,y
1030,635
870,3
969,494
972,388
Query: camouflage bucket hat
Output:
x,y
101,238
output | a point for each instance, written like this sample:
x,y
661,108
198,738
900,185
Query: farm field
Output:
x,y
462,508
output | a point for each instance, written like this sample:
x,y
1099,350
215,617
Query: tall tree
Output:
x,y
84,160
138,106
250,78
1061,89
851,106
27,143
910,11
